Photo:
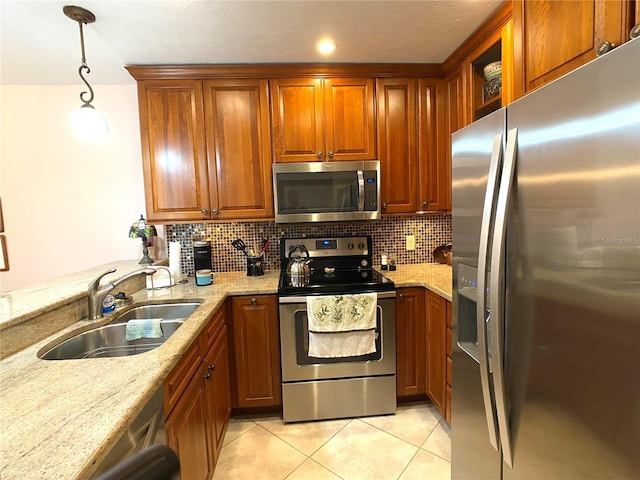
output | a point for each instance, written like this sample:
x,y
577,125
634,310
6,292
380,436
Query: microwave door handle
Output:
x,y
482,319
360,190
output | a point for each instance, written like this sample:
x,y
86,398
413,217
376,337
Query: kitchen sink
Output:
x,y
109,340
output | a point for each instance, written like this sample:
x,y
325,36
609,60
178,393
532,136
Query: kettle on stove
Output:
x,y
298,268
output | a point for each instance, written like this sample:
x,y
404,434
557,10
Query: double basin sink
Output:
x,y
109,340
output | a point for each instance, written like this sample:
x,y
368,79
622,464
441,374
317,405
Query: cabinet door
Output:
x,y
397,111
410,348
216,371
256,347
174,157
296,114
558,37
436,350
454,120
432,160
186,429
349,114
238,142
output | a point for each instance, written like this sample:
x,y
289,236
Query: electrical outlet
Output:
x,y
410,242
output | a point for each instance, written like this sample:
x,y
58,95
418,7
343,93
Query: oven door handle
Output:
x,y
303,299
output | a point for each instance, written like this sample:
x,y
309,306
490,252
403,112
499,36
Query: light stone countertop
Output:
x,y
59,419
433,276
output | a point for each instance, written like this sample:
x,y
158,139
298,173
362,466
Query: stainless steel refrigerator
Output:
x,y
546,293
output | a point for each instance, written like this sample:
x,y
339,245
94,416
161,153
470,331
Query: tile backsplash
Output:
x,y
388,236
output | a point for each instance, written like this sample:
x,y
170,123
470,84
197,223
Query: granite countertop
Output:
x,y
59,419
433,276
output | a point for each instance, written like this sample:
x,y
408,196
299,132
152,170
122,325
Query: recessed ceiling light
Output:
x,y
326,47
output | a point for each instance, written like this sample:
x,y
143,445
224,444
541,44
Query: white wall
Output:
x,y
68,204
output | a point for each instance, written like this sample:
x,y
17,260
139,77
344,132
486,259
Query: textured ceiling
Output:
x,y
40,45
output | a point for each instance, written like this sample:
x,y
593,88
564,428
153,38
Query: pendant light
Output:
x,y
87,122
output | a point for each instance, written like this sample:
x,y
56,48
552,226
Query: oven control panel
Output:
x,y
359,246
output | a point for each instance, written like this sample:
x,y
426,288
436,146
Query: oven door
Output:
x,y
297,365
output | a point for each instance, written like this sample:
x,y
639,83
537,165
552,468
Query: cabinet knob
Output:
x,y
205,211
319,154
604,47
207,376
254,301
212,368
214,211
384,204
401,296
425,204
331,153
635,31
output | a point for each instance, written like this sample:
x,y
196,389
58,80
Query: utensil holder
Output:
x,y
254,266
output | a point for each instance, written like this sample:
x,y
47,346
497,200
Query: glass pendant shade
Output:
x,y
89,124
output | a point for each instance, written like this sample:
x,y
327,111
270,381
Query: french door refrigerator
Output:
x,y
546,293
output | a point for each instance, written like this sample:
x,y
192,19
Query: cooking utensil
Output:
x,y
239,244
265,245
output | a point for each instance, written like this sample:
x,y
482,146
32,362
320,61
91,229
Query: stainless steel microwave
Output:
x,y
326,191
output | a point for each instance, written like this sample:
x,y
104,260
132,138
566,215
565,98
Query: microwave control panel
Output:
x,y
370,190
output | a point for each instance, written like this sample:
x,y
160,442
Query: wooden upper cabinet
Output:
x,y
397,149
174,157
433,188
557,37
238,144
323,119
205,149
497,46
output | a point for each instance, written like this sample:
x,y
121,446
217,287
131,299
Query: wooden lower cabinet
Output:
x,y
187,434
197,401
256,351
216,374
410,349
435,309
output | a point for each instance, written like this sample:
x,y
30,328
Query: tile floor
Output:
x,y
413,444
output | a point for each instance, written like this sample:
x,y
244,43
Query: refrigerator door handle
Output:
x,y
482,319
497,293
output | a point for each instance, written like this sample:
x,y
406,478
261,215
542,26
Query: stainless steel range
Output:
x,y
340,383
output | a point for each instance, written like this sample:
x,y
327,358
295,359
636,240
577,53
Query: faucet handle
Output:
x,y
95,283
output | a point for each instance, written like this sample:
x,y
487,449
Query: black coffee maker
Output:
x,y
202,255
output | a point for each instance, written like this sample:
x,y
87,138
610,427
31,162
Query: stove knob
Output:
x,y
364,262
364,275
361,246
350,246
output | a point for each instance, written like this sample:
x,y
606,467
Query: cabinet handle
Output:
x,y
254,301
207,376
604,47
425,204
331,153
205,211
319,154
384,204
402,296
214,211
212,368
635,31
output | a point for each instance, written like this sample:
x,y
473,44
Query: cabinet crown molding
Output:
x,y
154,72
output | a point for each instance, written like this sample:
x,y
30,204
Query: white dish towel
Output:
x,y
342,325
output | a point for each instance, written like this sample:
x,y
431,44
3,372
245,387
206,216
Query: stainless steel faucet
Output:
x,y
96,294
